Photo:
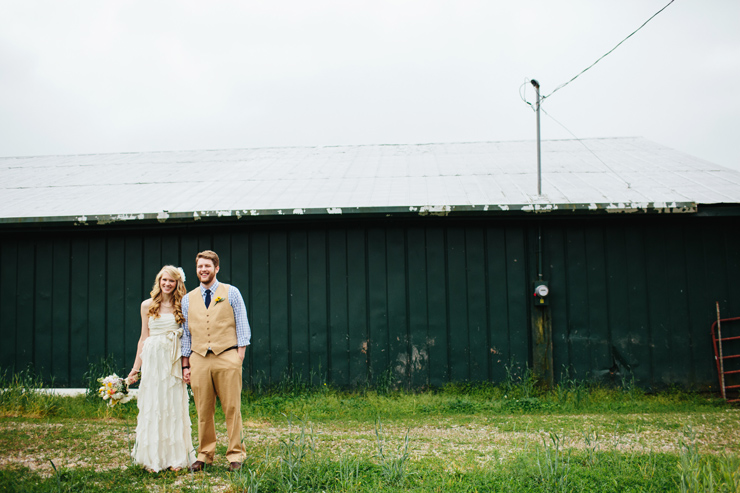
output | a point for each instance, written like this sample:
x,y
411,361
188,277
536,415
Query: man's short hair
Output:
x,y
209,255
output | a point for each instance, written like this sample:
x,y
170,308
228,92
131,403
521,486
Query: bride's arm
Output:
x,y
133,375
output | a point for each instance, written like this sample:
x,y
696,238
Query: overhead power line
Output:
x,y
607,53
588,149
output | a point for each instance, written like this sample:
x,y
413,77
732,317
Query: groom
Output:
x,y
215,337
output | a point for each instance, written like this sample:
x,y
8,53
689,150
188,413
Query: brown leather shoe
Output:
x,y
235,466
198,465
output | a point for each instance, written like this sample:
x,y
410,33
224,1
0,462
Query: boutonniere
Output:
x,y
218,300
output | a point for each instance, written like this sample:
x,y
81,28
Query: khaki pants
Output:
x,y
218,376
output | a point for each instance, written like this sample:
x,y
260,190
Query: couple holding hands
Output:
x,y
197,338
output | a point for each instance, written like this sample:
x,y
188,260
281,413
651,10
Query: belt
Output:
x,y
227,349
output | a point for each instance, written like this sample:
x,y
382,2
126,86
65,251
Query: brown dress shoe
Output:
x,y
235,466
198,465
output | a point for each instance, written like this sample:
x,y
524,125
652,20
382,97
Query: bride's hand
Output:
x,y
133,376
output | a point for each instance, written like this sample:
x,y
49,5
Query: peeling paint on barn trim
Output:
x,y
540,207
388,211
435,210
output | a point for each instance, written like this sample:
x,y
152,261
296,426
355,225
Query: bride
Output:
x,y
163,437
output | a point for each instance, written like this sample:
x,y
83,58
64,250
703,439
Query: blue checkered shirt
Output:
x,y
243,332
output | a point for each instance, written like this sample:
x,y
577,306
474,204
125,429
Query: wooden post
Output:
x,y
542,364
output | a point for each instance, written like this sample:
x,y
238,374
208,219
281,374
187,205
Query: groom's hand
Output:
x,y
186,375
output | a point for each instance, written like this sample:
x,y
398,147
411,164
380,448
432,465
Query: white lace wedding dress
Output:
x,y
163,437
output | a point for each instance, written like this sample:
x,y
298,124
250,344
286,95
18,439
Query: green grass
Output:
x,y
18,395
452,401
530,471
463,437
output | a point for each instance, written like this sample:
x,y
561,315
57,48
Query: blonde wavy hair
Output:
x,y
177,294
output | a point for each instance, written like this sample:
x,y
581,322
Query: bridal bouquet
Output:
x,y
114,389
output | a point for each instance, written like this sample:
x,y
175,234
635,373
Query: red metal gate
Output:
x,y
727,355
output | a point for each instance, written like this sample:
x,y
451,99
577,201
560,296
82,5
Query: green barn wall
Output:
x,y
432,300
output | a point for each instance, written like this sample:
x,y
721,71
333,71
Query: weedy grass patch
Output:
x,y
463,437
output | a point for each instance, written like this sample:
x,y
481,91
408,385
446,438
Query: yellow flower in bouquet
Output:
x,y
114,389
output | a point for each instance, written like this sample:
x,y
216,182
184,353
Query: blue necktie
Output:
x,y
208,298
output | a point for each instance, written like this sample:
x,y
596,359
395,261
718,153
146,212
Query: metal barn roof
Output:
x,y
617,174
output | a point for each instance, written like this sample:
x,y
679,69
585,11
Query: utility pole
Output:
x,y
539,159
542,358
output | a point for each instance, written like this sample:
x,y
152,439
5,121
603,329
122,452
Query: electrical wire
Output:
x,y
605,54
587,148
523,94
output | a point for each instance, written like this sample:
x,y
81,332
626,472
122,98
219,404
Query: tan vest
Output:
x,y
215,327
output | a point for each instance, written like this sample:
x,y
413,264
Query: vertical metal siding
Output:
x,y
9,294
24,303
59,364
431,301
258,304
437,341
114,309
635,298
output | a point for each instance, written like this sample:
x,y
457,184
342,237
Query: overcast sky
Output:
x,y
79,77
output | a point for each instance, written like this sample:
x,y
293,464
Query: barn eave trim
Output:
x,y
409,211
